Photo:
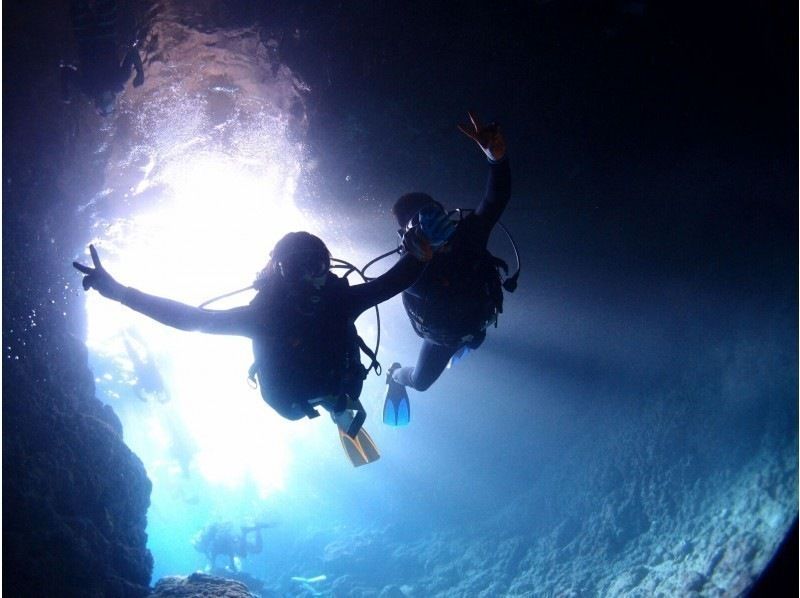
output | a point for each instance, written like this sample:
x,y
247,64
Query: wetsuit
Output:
x,y
304,341
452,302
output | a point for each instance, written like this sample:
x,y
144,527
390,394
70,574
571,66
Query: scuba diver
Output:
x,y
460,291
149,383
220,539
99,73
302,324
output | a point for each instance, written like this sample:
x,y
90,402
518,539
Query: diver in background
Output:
x,y
220,539
302,324
459,293
149,383
99,73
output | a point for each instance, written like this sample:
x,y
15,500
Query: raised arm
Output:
x,y
498,187
418,246
398,278
239,321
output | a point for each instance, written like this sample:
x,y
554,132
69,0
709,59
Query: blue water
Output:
x,y
633,413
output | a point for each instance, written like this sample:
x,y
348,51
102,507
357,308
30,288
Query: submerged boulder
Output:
x,y
200,584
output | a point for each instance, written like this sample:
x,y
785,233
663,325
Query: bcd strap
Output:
x,y
374,363
310,412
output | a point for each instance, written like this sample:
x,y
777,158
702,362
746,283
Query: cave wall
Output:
x,y
74,496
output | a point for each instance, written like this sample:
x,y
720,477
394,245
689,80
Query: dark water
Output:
x,y
630,423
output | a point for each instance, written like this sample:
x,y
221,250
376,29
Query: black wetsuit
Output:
x,y
451,303
304,341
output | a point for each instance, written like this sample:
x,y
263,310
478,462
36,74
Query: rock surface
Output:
x,y
200,585
668,528
75,497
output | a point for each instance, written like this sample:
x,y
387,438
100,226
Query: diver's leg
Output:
x,y
431,362
132,60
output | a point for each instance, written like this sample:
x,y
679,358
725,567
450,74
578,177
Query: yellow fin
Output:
x,y
361,450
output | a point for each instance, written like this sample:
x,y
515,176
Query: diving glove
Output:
x,y
436,226
415,243
428,231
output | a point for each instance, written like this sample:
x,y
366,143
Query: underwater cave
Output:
x,y
629,428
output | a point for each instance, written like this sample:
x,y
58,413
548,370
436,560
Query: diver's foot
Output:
x,y
392,369
343,418
349,421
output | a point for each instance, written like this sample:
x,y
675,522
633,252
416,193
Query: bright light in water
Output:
x,y
210,232
201,169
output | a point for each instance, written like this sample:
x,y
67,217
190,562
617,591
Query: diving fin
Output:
x,y
396,408
361,450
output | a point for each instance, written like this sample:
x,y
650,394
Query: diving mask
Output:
x,y
311,268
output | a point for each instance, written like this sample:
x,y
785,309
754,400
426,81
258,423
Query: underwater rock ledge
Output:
x,y
200,584
75,497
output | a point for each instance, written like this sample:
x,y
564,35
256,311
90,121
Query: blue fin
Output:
x,y
396,408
